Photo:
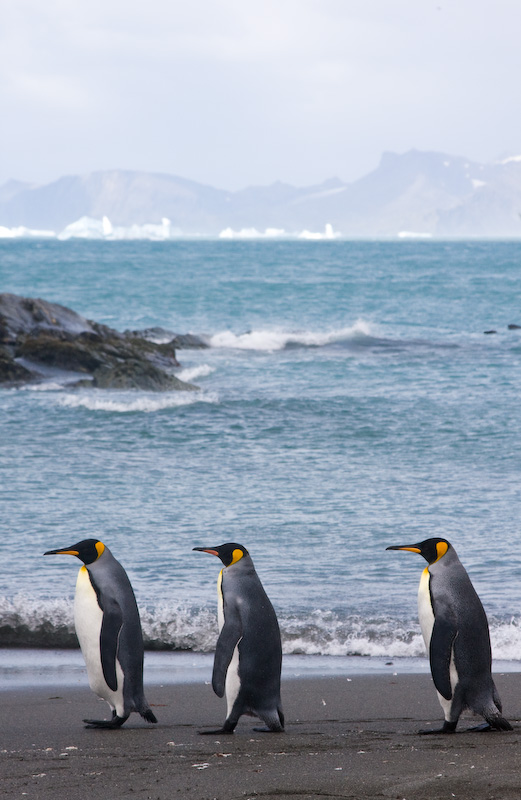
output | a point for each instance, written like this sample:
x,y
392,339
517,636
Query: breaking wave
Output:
x,y
193,373
28,622
124,403
278,339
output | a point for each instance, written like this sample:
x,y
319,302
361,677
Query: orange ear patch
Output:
x,y
441,549
236,556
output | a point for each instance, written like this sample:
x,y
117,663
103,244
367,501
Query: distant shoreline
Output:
x,y
39,669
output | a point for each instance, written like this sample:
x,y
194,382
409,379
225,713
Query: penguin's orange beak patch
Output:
x,y
408,547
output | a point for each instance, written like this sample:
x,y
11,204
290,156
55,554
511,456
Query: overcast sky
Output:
x,y
240,92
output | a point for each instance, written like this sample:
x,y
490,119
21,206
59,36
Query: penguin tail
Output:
x,y
274,721
149,715
495,718
496,698
499,723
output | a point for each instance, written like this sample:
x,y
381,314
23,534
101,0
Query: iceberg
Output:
x,y
22,232
83,228
273,233
510,159
328,233
90,228
414,235
251,233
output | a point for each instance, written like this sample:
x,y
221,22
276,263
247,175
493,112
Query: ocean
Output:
x,y
349,400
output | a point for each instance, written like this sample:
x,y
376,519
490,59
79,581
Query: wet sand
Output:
x,y
345,738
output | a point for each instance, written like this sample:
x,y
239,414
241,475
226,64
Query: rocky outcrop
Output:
x,y
38,337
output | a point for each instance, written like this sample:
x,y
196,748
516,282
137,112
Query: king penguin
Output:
x,y
248,655
108,627
455,630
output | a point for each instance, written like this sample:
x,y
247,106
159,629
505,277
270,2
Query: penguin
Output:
x,y
108,627
455,630
248,655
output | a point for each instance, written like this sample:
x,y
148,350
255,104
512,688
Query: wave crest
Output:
x,y
278,339
190,374
124,403
27,622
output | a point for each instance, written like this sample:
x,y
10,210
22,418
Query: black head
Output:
x,y
88,550
229,553
431,549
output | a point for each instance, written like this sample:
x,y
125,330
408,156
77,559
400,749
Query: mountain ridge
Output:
x,y
422,192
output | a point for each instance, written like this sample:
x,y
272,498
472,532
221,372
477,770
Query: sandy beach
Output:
x,y
345,738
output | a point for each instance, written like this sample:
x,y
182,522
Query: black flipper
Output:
x,y
443,634
109,638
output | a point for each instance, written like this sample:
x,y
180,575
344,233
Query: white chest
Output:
x,y
88,617
425,612
220,604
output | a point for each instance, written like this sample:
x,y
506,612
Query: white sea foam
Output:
x,y
49,386
180,626
506,639
125,403
278,339
23,612
192,373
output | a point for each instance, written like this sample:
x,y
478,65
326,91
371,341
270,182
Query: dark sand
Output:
x,y
345,739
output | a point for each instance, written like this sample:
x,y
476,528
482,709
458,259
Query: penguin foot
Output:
x,y
220,732
483,728
447,727
486,727
115,722
269,730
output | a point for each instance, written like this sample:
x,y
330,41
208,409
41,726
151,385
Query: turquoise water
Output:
x,y
349,400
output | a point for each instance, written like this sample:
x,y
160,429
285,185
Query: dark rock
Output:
x,y
137,375
23,315
155,334
52,351
185,341
513,327
489,332
162,335
47,336
12,372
